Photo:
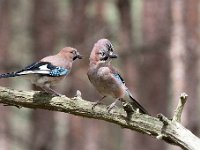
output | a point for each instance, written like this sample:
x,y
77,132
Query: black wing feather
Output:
x,y
33,66
37,65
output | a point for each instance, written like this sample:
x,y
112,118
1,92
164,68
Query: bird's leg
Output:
x,y
98,102
53,91
48,89
110,107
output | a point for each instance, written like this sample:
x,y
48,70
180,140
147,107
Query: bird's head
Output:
x,y
70,53
102,51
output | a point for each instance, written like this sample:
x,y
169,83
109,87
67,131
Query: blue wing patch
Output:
x,y
58,71
119,78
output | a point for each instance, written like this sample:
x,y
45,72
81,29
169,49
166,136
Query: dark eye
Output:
x,y
102,53
73,52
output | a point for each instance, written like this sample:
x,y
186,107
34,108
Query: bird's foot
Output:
x,y
111,106
50,90
13,105
58,94
95,104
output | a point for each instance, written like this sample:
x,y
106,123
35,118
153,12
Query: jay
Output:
x,y
49,70
105,78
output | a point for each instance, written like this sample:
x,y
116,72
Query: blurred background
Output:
x,y
158,45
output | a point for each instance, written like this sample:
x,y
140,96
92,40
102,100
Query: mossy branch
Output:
x,y
161,128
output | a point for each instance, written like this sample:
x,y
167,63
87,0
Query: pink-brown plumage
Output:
x,y
106,78
49,70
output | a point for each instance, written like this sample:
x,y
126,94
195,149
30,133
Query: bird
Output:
x,y
48,71
106,78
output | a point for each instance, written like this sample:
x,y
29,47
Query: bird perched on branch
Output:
x,y
105,78
49,70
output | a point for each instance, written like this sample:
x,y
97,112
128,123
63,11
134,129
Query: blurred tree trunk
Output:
x,y
154,61
191,21
185,59
83,133
44,27
75,139
126,45
44,34
4,45
153,65
78,21
126,40
177,51
177,54
4,33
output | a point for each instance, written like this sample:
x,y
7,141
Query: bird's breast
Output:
x,y
44,80
105,84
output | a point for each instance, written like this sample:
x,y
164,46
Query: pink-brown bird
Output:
x,y
50,70
105,78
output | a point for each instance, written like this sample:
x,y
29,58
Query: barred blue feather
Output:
x,y
119,78
59,71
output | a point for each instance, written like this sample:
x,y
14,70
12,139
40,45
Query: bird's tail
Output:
x,y
135,104
8,75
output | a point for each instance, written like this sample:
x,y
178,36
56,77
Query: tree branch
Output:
x,y
160,128
179,109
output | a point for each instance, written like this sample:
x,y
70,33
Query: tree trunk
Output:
x,y
153,63
4,45
44,34
77,25
128,61
191,21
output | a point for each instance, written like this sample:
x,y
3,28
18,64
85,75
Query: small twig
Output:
x,y
164,119
179,109
78,94
165,122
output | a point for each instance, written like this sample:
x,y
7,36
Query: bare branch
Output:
x,y
179,109
171,132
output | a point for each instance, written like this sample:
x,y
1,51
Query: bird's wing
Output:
x,y
43,68
119,78
134,102
116,74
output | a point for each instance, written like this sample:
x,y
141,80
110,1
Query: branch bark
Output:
x,y
161,128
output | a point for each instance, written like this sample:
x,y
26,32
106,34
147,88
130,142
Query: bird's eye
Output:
x,y
73,52
102,53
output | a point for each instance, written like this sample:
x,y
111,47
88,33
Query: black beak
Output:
x,y
112,55
77,56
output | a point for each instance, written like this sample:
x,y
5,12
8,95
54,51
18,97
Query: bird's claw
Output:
x,y
110,107
13,105
95,104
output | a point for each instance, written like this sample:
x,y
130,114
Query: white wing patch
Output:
x,y
34,71
44,67
42,70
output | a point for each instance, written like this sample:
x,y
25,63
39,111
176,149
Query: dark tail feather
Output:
x,y
137,105
8,75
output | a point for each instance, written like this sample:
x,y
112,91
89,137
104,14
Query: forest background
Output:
x,y
158,46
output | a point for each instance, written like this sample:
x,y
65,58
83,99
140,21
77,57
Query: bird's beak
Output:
x,y
78,56
112,55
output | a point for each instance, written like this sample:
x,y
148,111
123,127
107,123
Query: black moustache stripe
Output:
x,y
104,58
75,57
